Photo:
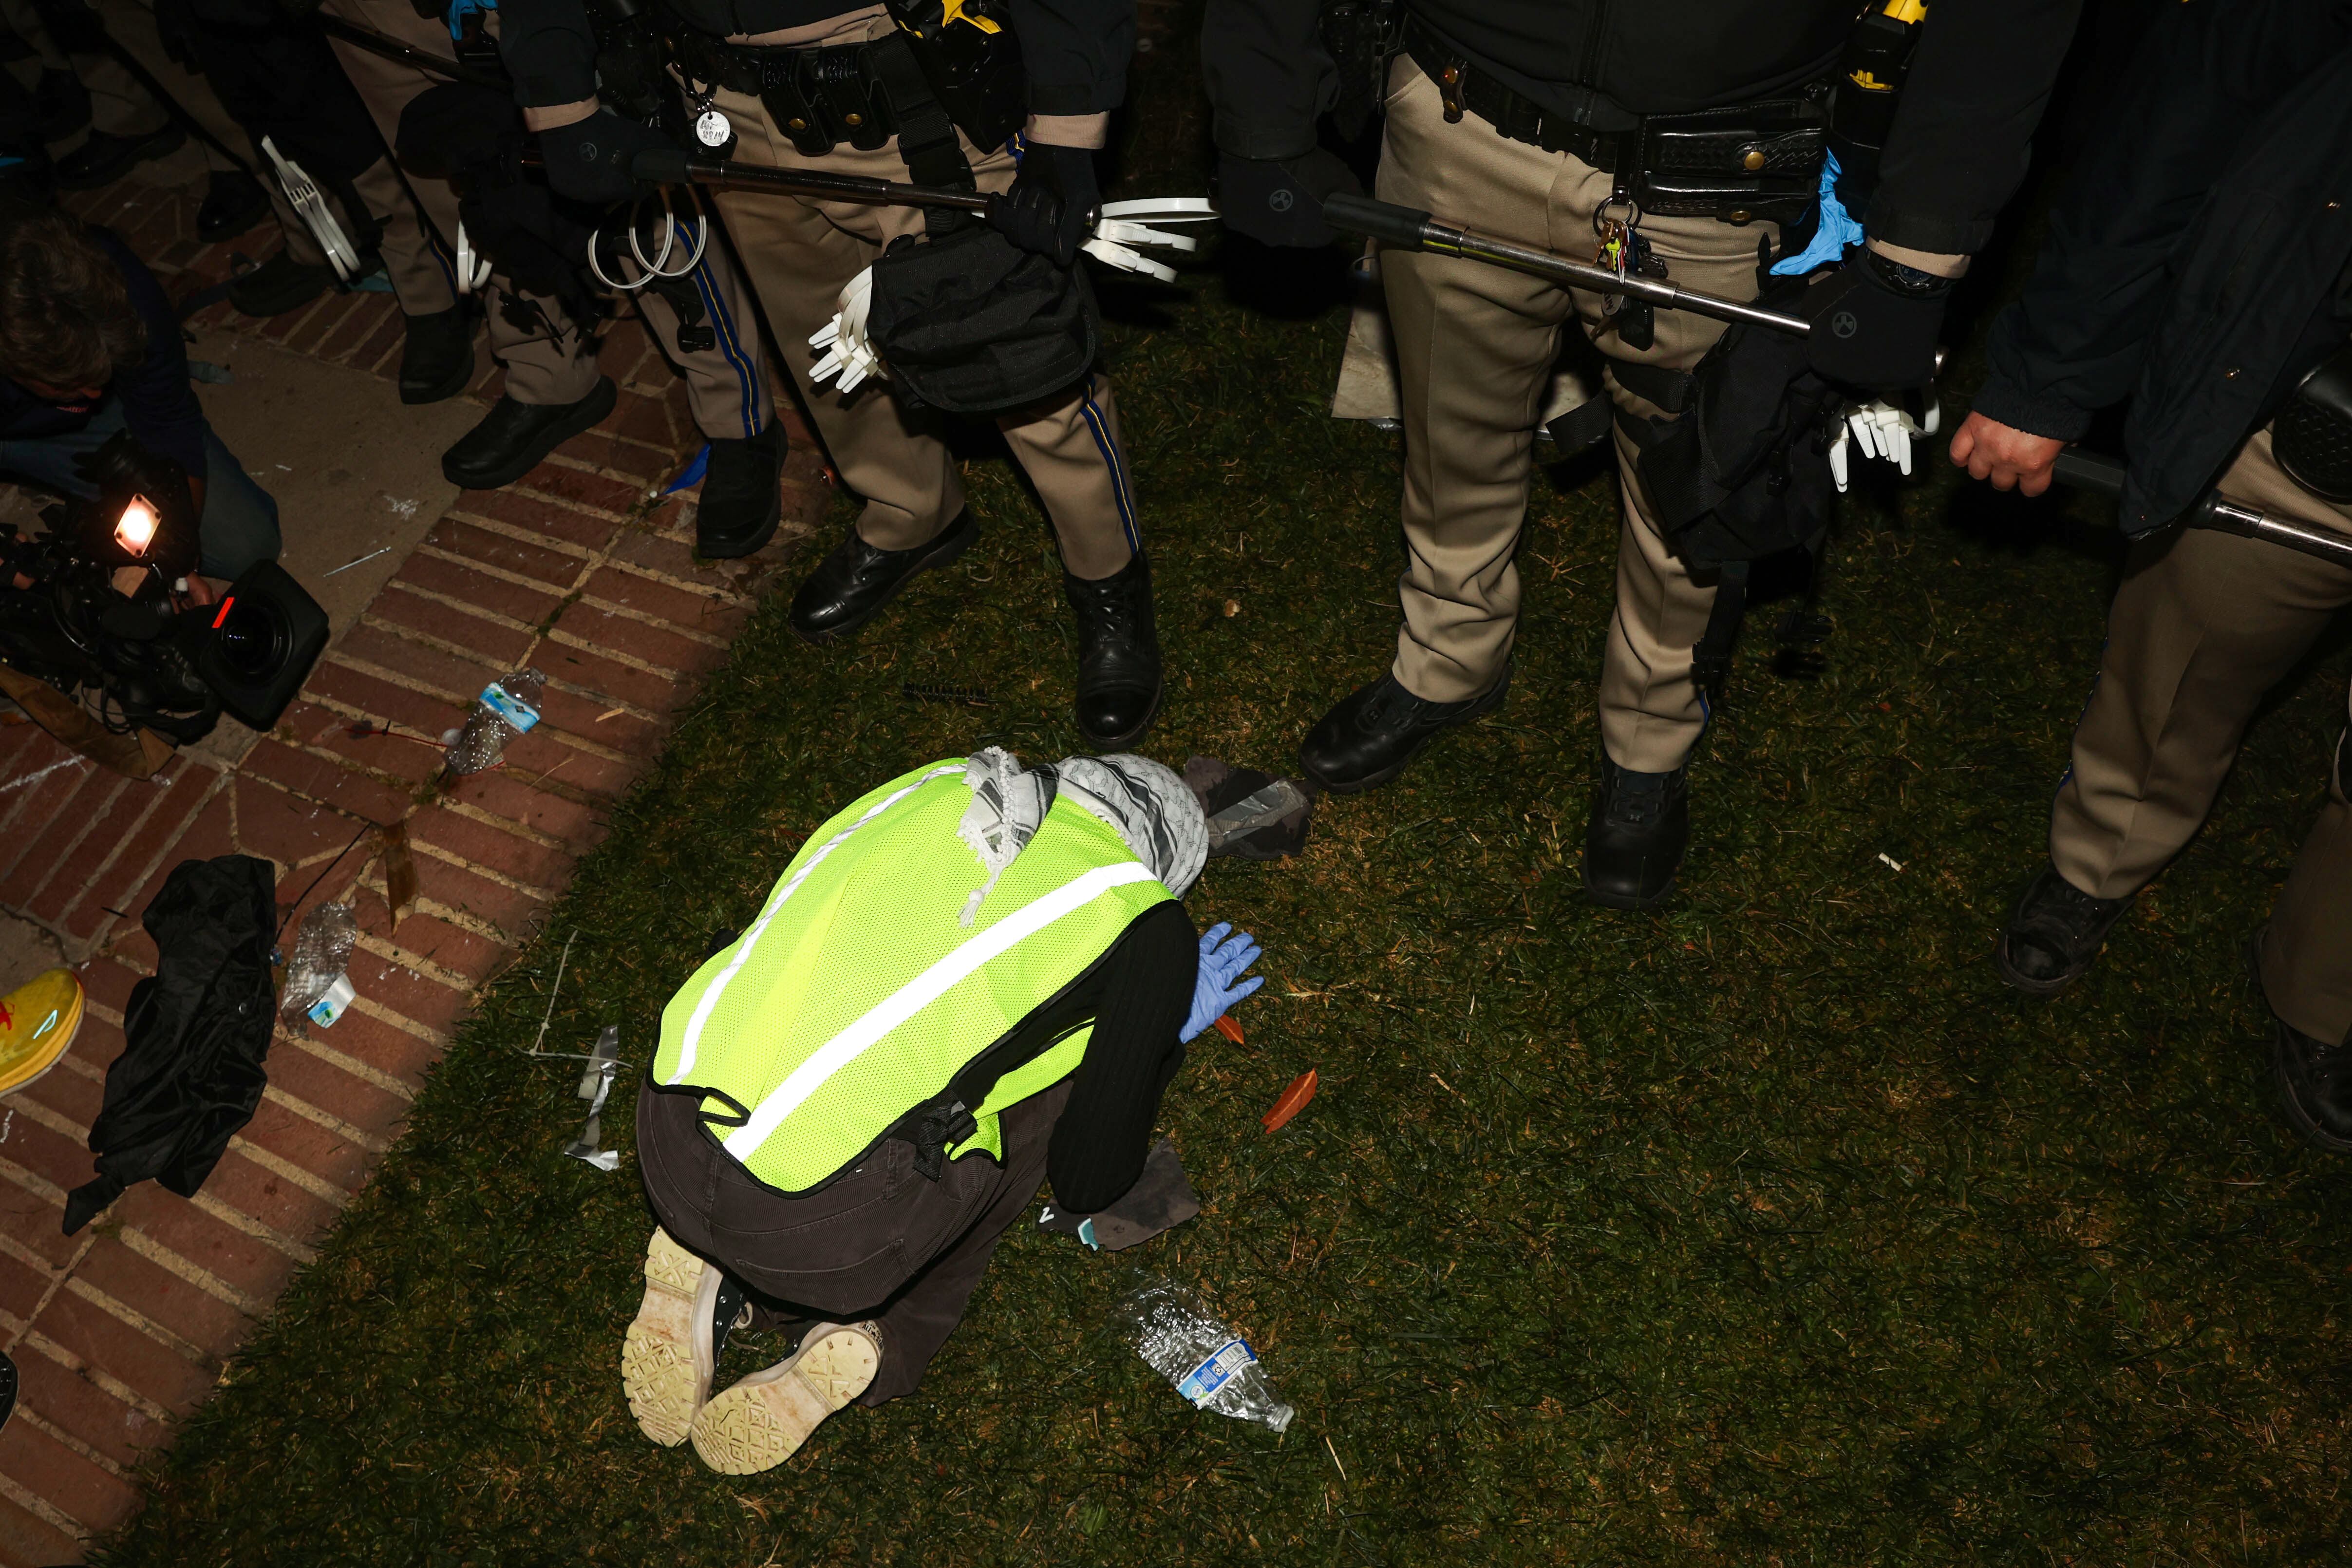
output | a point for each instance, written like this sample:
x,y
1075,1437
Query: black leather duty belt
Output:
x,y
1464,87
821,96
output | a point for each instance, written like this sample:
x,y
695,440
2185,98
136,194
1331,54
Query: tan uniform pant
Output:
x,y
801,252
549,357
2204,624
1475,350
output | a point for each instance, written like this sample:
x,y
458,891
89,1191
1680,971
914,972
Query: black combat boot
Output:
x,y
105,157
278,285
1118,655
854,582
1372,733
740,503
437,360
2053,933
2314,1085
234,201
513,438
1634,844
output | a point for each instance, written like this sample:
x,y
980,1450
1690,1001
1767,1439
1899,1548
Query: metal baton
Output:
x,y
2104,475
672,166
1409,229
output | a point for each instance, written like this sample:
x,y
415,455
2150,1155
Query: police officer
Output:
x,y
1574,124
2228,158
971,976
554,390
819,85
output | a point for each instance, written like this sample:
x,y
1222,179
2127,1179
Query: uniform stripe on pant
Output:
x,y
731,346
1112,460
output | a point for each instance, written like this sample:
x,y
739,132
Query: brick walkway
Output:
x,y
122,1330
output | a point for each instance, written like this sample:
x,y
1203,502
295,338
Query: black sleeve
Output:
x,y
1963,132
158,405
1268,74
2204,75
1104,1131
550,49
1074,52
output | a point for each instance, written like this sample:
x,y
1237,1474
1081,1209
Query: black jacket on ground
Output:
x,y
2197,260
1980,79
1074,52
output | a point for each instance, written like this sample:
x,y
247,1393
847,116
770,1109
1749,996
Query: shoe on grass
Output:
x,y
105,157
280,285
857,579
1120,679
672,1346
2314,1080
37,1022
2053,933
234,201
761,1421
1634,844
1372,733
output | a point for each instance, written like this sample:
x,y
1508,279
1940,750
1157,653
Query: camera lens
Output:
x,y
251,639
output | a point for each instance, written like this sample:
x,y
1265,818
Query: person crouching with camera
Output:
x,y
90,350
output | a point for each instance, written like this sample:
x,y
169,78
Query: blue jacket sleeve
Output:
x,y
157,401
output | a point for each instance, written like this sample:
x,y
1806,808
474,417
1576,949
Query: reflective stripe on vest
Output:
x,y
857,996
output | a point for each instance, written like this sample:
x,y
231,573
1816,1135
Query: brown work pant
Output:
x,y
2204,624
1476,351
801,252
549,357
883,1242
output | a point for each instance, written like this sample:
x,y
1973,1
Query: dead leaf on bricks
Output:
x,y
399,869
1291,1101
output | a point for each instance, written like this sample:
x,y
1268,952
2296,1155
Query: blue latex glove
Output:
x,y
1836,230
1223,959
461,9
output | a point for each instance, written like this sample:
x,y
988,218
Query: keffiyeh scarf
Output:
x,y
1147,804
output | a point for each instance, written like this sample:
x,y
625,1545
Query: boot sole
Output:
x,y
941,556
762,1421
1487,704
657,1362
585,415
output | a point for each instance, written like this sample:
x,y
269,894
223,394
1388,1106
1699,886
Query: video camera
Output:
x,y
99,605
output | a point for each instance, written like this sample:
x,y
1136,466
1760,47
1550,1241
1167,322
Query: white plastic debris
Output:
x,y
848,352
1125,225
322,950
1882,430
595,1083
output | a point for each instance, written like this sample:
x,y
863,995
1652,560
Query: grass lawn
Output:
x,y
1771,1229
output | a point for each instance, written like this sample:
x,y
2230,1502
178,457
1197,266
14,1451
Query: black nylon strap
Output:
x,y
1711,659
1669,389
927,137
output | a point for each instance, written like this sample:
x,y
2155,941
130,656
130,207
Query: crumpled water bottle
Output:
x,y
506,711
1173,1330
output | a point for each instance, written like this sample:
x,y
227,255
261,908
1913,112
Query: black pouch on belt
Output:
x,y
971,58
966,321
1750,161
2312,437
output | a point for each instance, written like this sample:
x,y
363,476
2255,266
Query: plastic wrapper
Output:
x,y
506,709
1177,1336
322,950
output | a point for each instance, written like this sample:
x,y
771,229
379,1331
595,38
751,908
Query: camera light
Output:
x,y
136,530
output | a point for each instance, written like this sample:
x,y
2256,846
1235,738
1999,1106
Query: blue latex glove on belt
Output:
x,y
1224,958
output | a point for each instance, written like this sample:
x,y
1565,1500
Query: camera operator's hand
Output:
x,y
1875,324
1279,201
589,159
2009,457
1052,203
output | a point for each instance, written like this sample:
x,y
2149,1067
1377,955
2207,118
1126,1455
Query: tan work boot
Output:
x,y
671,1348
761,1421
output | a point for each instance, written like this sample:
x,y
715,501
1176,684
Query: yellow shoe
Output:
x,y
37,1021
762,1421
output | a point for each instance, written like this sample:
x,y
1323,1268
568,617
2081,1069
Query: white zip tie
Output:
x,y
849,353
303,193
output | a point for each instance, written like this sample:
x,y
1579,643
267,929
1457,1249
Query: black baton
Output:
x,y
2104,475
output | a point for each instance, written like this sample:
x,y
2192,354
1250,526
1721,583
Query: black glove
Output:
x,y
589,160
1875,324
1052,203
1279,201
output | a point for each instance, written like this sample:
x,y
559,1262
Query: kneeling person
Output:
x,y
973,977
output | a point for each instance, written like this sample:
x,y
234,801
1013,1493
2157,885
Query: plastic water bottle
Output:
x,y
1181,1339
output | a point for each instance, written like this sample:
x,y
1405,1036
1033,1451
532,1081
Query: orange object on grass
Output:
x,y
1231,1030
1291,1101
